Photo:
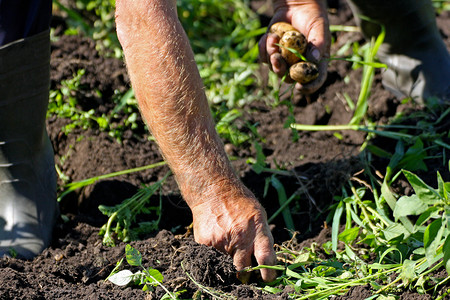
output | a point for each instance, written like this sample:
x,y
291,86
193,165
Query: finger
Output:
x,y
271,44
242,259
278,64
267,46
313,86
265,255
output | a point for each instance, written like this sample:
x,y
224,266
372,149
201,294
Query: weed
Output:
x,y
122,217
72,186
93,18
226,126
148,277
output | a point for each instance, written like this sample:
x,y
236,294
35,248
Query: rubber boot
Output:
x,y
28,206
417,59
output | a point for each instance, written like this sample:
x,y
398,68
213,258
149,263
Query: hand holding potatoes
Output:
x,y
293,43
309,18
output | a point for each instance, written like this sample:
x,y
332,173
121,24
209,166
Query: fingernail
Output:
x,y
316,54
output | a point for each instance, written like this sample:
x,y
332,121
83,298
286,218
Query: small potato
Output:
x,y
304,72
294,40
299,71
280,28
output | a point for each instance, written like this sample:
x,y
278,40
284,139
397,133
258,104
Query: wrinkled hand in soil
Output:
x,y
310,18
238,227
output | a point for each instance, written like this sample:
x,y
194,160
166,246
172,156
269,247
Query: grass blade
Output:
x,y
283,199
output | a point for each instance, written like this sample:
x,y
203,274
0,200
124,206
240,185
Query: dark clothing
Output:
x,y
23,18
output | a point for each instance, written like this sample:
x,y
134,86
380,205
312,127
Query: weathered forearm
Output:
x,y
171,98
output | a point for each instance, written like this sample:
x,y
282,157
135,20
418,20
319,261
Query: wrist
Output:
x,y
213,191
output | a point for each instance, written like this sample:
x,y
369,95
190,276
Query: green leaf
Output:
x,y
393,251
431,232
122,278
432,211
387,194
349,235
446,251
378,151
293,274
282,198
134,257
409,206
395,230
260,164
335,226
414,156
426,193
408,271
323,271
419,251
432,239
350,253
272,290
155,276
442,187
306,283
395,160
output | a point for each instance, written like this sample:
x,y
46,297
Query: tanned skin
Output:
x,y
172,101
171,97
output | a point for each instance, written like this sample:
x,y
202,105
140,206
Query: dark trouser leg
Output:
x,y
418,61
23,18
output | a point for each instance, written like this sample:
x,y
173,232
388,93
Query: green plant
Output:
x,y
368,74
122,217
93,18
63,104
72,186
411,239
405,258
226,127
148,277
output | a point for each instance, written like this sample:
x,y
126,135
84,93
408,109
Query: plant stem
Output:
x,y
344,28
159,283
344,285
79,184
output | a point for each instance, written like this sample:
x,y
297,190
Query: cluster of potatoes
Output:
x,y
299,71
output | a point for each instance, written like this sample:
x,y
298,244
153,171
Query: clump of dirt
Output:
x,y
356,293
179,259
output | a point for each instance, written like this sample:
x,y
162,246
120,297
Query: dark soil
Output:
x,y
76,264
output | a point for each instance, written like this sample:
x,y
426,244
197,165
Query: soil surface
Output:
x,y
77,263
